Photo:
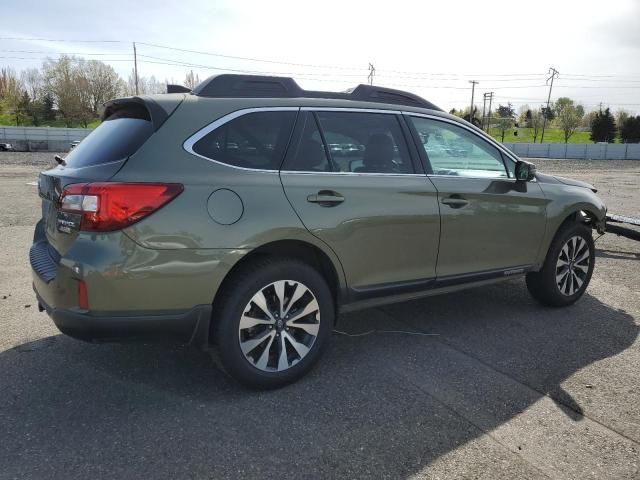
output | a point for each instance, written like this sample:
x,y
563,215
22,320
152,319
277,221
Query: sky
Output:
x,y
430,48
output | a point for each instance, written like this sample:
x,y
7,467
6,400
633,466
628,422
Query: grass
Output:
x,y
8,120
551,135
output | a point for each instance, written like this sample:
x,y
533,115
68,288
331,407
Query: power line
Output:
x,y
27,39
61,53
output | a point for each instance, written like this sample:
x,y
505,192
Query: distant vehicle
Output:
x,y
6,147
74,144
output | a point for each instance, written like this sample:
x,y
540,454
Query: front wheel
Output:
x,y
567,269
274,319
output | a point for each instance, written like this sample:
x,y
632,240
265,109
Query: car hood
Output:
x,y
544,178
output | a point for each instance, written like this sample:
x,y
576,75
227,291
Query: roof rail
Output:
x,y
261,86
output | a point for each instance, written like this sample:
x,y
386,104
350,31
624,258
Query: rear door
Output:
x,y
352,178
97,158
489,220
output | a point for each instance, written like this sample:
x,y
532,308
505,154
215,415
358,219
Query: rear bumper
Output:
x,y
189,327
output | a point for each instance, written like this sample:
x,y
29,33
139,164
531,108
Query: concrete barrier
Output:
x,y
577,151
37,139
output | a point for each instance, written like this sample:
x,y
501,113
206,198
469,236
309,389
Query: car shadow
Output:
x,y
379,405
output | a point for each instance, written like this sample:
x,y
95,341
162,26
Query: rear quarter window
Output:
x,y
117,138
256,140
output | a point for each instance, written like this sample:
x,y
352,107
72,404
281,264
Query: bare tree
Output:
x,y
103,83
146,85
536,123
191,80
61,79
621,117
33,83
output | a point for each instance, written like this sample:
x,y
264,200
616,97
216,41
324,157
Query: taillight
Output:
x,y
107,206
83,296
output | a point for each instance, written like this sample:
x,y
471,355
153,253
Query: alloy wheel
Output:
x,y
572,266
279,325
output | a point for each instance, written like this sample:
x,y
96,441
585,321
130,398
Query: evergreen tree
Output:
x,y
603,127
47,107
630,130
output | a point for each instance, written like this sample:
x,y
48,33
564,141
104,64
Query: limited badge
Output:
x,y
68,222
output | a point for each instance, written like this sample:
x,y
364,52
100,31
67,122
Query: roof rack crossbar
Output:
x,y
260,86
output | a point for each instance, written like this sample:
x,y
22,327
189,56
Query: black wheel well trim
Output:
x,y
300,250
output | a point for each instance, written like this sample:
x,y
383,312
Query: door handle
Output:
x,y
454,202
326,198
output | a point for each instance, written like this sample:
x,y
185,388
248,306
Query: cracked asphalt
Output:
x,y
506,389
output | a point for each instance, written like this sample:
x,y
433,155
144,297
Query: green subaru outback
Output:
x,y
244,215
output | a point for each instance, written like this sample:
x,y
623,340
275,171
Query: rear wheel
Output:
x,y
567,269
273,320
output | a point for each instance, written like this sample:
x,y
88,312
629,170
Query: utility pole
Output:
x,y
484,107
489,95
473,89
135,66
554,73
372,72
485,96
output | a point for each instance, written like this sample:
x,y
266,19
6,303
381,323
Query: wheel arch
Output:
x,y
582,213
301,250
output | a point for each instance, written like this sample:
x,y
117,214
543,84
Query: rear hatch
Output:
x,y
127,125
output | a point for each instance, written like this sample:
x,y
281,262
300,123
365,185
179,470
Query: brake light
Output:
x,y
109,206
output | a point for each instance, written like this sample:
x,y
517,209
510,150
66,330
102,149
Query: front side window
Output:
x,y
453,150
255,140
365,142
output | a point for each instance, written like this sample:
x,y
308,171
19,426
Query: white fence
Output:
x,y
589,151
35,139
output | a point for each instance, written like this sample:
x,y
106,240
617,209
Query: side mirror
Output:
x,y
525,171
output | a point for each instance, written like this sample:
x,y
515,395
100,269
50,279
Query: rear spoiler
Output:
x,y
143,107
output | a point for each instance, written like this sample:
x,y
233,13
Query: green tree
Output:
x,y
505,119
548,113
603,127
630,130
476,117
568,116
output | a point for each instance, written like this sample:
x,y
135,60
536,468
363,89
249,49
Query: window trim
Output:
x,y
188,144
505,154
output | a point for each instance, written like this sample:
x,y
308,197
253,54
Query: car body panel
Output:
x,y
502,226
385,231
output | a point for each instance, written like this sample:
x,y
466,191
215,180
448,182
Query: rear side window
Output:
x,y
117,138
365,142
256,140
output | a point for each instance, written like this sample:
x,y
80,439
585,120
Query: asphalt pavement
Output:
x,y
505,388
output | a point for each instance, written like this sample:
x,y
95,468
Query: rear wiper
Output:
x,y
60,160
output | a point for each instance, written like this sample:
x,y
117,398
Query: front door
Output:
x,y
353,180
490,221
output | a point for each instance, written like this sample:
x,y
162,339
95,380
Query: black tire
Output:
x,y
238,293
543,284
